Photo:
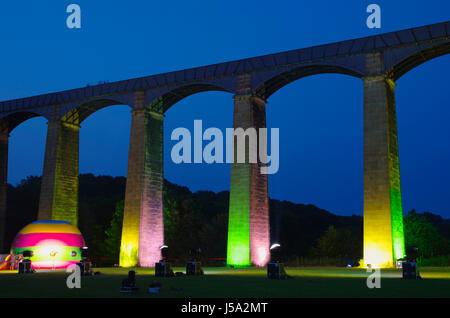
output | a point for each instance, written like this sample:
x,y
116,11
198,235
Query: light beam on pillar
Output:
x,y
151,233
395,194
238,245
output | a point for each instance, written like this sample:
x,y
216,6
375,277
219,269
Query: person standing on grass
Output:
x,y
12,261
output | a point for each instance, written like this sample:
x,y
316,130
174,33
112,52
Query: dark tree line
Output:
x,y
200,219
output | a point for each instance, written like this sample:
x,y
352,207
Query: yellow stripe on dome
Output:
x,y
50,228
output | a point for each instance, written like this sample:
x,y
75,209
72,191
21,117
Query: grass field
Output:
x,y
237,283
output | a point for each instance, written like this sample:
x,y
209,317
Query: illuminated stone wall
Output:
x,y
3,183
259,200
398,238
151,236
59,189
383,216
143,227
248,226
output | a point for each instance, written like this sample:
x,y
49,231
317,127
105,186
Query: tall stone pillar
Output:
x,y
4,134
248,226
383,215
59,188
143,220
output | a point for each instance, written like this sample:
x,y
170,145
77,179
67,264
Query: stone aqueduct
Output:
x,y
378,60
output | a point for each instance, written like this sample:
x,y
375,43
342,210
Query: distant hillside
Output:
x,y
441,224
297,227
191,219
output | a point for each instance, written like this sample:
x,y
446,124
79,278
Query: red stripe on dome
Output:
x,y
34,239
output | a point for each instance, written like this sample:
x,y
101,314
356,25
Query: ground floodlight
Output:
x,y
274,246
275,252
164,251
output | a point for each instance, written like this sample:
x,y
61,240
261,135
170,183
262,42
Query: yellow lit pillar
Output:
x,y
383,216
59,188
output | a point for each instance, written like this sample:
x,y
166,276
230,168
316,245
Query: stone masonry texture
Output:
x,y
59,189
248,210
143,223
382,197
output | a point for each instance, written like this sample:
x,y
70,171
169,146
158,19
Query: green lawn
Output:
x,y
225,282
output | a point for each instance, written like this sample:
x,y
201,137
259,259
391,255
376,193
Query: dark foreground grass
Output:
x,y
237,283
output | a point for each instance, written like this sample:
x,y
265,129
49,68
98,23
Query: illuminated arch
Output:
x,y
417,59
78,114
170,98
11,121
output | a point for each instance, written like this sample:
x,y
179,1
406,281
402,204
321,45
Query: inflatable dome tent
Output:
x,y
55,244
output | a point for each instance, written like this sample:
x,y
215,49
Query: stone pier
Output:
x,y
143,221
59,189
383,216
248,226
4,134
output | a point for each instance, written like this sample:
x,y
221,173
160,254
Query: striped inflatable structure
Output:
x,y
55,244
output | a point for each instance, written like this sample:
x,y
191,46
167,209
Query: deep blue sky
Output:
x,y
320,117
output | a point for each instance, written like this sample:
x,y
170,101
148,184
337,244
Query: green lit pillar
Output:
x,y
238,244
248,226
59,188
4,134
383,214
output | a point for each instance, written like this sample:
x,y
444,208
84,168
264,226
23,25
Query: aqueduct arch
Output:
x,y
8,123
379,60
269,87
143,224
416,59
59,189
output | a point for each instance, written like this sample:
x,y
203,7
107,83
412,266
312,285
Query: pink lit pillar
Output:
x,y
151,234
259,198
143,223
